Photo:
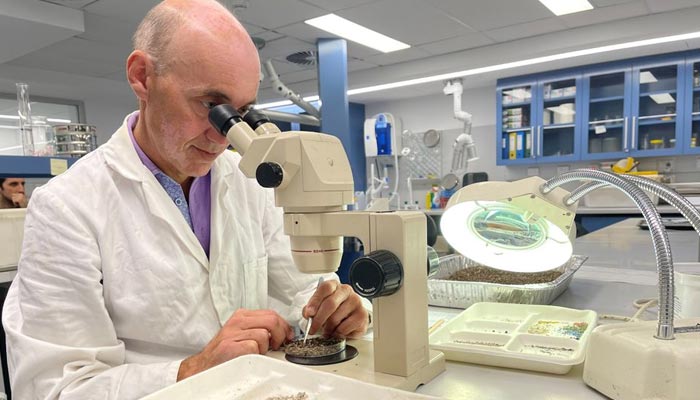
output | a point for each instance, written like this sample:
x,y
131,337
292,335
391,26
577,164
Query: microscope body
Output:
x,y
313,183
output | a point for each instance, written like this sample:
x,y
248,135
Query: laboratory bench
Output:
x,y
620,268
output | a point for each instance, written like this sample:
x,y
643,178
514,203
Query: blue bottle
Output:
x,y
382,129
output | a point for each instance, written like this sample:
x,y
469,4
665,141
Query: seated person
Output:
x,y
12,193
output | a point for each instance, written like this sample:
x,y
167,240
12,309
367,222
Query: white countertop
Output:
x,y
619,270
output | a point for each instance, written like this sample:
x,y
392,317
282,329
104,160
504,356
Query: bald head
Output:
x,y
164,22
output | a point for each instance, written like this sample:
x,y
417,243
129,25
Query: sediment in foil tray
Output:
x,y
462,294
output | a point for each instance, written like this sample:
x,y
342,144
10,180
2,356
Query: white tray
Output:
x,y
256,377
522,336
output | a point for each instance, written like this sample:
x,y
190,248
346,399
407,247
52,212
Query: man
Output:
x,y
12,193
153,258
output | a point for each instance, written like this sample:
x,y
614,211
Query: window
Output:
x,y
56,111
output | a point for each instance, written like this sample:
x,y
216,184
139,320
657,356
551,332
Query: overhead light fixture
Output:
x,y
357,33
563,7
662,98
647,77
510,65
55,120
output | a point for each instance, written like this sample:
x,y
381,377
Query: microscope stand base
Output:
x,y
362,368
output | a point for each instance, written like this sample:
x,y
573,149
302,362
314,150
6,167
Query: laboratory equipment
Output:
x,y
310,320
289,94
634,360
521,336
75,140
43,137
464,148
487,222
24,112
380,141
311,176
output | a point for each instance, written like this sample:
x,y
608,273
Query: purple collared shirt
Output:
x,y
200,192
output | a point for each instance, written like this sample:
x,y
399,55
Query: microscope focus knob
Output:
x,y
377,274
269,174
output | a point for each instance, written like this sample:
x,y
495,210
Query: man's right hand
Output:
x,y
19,200
246,332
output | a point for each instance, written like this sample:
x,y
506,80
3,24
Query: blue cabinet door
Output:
x,y
607,113
690,140
657,109
558,119
515,123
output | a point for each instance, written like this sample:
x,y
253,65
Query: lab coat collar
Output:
x,y
121,157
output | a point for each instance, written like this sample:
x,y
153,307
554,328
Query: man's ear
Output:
x,y
139,67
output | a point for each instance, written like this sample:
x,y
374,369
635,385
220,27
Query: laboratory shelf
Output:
x,y
606,99
524,128
33,167
656,122
557,126
518,104
559,98
607,126
663,91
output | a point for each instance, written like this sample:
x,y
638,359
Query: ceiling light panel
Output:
x,y
563,7
357,33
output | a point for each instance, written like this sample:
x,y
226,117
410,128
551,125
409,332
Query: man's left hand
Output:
x,y
338,309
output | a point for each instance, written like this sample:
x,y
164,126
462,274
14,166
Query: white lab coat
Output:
x,y
113,289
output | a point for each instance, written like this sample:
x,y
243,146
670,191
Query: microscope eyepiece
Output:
x,y
255,118
223,117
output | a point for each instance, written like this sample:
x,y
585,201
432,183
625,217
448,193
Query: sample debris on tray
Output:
x,y
486,274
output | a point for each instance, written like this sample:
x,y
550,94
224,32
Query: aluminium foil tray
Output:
x,y
462,294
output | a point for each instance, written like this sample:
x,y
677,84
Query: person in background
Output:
x,y
154,258
12,194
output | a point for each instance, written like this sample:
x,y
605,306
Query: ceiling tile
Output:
x,y
76,4
106,29
411,21
335,5
527,29
76,50
467,41
281,48
398,56
493,14
605,14
605,3
133,11
284,13
668,5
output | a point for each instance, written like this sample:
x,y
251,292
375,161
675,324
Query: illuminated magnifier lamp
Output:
x,y
517,230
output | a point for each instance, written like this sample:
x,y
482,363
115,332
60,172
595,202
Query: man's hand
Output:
x,y
338,309
246,332
19,200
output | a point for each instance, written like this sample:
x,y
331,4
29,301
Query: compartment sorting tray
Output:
x,y
256,377
522,336
462,294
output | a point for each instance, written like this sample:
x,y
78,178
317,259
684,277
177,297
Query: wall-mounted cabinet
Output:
x,y
643,107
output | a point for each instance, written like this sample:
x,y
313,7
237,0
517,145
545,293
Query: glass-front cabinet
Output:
x,y
647,106
556,129
516,128
691,137
656,126
607,115
538,121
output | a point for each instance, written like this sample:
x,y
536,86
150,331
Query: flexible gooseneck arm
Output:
x,y
662,247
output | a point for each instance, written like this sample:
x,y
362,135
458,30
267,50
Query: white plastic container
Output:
x,y
687,290
259,377
11,235
522,336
